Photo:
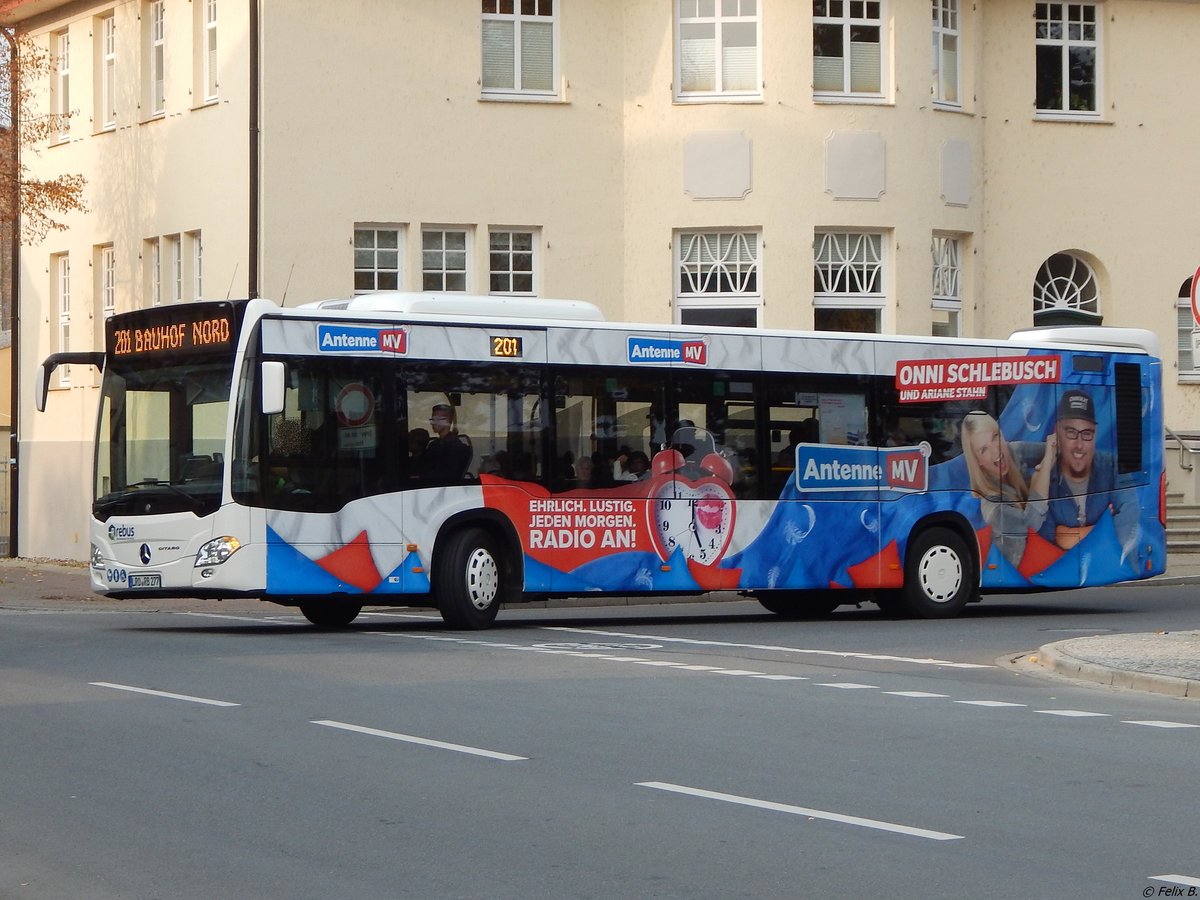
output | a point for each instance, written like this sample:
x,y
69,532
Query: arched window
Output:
x,y
1065,292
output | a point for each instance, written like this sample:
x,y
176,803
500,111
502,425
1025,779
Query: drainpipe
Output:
x,y
252,289
14,481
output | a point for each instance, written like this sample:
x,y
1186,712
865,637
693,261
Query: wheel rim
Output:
x,y
483,578
941,574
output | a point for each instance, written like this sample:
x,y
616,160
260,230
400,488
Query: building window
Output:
x,y
108,281
154,272
376,259
717,48
848,276
1068,50
61,273
519,47
107,85
1185,324
1065,292
209,62
156,57
848,48
196,279
60,87
443,260
174,272
510,262
717,281
947,287
946,67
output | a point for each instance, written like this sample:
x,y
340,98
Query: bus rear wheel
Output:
x,y
800,604
939,575
468,579
330,613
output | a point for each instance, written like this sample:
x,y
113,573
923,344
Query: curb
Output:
x,y
1058,660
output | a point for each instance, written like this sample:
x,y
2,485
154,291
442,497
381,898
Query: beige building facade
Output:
x,y
840,164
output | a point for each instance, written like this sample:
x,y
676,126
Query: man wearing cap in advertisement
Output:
x,y
1082,483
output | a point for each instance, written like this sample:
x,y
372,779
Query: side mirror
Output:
x,y
41,387
274,385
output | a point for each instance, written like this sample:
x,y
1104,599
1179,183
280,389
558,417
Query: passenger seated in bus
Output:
x,y
630,465
807,432
448,454
1009,504
418,440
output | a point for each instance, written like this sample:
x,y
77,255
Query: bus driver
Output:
x,y
448,453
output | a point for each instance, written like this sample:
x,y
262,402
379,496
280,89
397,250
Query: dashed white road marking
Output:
x,y
848,686
425,742
920,695
842,654
1157,723
802,811
991,704
1186,880
1073,713
166,694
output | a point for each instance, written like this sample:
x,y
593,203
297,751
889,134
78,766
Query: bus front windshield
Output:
x,y
160,441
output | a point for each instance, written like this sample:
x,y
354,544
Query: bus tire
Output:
x,y
940,574
800,604
330,613
468,579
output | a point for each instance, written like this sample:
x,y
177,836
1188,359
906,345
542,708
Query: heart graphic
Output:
x,y
694,518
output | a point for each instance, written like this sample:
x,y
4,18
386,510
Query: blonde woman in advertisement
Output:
x,y
1008,503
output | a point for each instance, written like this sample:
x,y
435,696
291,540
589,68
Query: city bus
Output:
x,y
461,453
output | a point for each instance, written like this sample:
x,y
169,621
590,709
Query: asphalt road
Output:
x,y
692,750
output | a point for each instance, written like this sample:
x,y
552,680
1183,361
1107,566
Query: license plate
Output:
x,y
145,581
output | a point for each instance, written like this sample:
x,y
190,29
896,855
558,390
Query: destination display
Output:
x,y
174,329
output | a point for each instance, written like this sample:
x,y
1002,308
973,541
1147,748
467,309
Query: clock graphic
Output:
x,y
691,515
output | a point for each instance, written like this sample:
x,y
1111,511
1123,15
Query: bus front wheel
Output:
x,y
330,613
939,575
468,580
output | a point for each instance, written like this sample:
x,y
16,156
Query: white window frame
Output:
x,y
718,270
1055,27
697,15
107,293
858,257
522,27
848,15
504,262
195,277
946,251
154,270
208,53
174,271
62,288
372,257
947,54
107,53
1185,323
62,84
437,262
156,58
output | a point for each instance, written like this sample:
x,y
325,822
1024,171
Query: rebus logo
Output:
x,y
121,532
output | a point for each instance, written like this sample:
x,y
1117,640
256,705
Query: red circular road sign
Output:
x,y
1195,284
355,404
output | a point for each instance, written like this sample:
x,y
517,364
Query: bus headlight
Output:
x,y
97,558
217,551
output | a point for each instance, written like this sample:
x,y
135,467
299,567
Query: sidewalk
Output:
x,y
1160,663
